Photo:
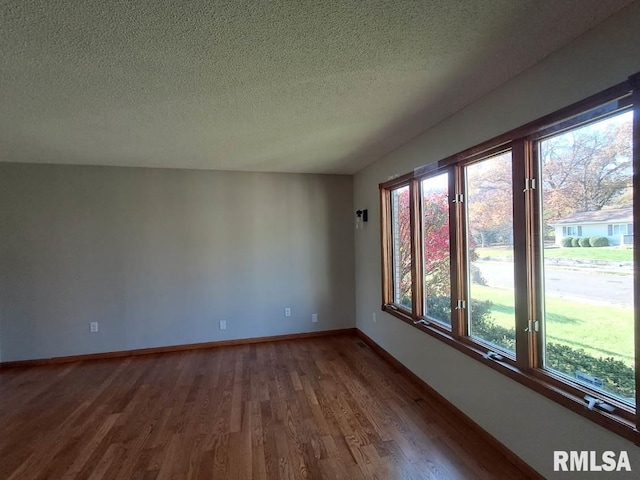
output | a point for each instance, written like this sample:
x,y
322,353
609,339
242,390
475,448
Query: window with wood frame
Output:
x,y
469,254
436,248
401,247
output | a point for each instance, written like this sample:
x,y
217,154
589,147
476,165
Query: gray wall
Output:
x,y
158,257
529,424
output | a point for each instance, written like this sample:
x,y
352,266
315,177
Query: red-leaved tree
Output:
x,y
435,229
402,246
435,234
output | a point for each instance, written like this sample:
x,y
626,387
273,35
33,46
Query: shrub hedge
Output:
x,y
584,242
566,242
575,242
618,378
599,241
439,307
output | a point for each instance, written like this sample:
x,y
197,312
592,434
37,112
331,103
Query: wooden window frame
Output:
x,y
388,300
420,314
526,366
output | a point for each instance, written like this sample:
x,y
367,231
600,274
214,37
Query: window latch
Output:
x,y
391,306
461,304
533,326
422,321
458,198
593,402
493,356
529,184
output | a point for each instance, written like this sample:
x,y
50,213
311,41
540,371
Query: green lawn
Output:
x,y
613,254
601,330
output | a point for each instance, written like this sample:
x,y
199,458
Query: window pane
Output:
x,y
401,231
490,252
435,235
588,285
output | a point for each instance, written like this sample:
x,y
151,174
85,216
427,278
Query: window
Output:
x,y
589,325
402,258
572,231
626,229
436,248
470,255
489,208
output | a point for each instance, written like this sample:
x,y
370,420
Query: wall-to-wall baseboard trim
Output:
x,y
524,467
174,348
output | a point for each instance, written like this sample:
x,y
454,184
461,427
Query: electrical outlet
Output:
x,y
374,317
93,327
314,317
287,312
223,324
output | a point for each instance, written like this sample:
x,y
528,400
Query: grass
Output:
x,y
601,330
612,254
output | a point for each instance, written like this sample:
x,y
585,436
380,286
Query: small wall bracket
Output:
x,y
363,214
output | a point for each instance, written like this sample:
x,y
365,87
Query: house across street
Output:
x,y
616,224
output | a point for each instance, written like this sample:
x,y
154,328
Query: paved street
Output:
x,y
585,284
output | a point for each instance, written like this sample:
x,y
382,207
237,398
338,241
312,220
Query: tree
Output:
x,y
587,168
402,246
489,202
435,228
435,225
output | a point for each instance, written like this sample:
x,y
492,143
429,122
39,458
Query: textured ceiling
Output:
x,y
284,86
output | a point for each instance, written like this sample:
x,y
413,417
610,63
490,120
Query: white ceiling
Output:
x,y
280,86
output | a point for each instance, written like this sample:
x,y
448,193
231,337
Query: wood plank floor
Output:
x,y
319,408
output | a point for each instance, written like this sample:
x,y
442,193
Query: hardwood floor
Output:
x,y
319,408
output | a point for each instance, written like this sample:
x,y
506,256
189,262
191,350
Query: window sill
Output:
x,y
540,381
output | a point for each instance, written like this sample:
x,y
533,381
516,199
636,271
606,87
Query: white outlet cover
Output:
x,y
314,317
93,327
223,324
287,312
